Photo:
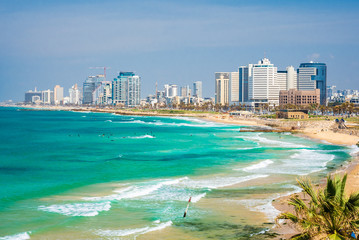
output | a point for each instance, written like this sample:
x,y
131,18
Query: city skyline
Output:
x,y
45,44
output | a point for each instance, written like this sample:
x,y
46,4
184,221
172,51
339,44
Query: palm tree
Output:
x,y
329,213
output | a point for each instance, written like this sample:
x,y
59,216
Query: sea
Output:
x,y
85,175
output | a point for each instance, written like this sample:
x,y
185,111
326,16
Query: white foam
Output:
x,y
144,136
20,236
258,138
219,182
78,209
259,165
198,197
108,121
134,231
265,205
354,150
137,190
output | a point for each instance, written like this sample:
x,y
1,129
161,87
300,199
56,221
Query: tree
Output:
x,y
329,213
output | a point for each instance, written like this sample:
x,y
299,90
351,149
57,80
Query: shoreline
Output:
x,y
317,130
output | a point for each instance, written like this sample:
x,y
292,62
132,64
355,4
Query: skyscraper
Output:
x,y
58,94
234,87
262,85
244,72
313,76
89,87
222,88
126,89
74,95
197,89
48,96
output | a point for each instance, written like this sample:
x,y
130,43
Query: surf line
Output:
x,y
185,212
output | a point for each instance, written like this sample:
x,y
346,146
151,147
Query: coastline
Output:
x,y
319,130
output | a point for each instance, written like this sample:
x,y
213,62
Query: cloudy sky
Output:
x,y
44,43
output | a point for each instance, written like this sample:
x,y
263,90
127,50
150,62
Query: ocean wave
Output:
x,y
354,150
258,138
19,236
259,165
198,197
139,137
219,182
108,121
78,209
136,191
134,231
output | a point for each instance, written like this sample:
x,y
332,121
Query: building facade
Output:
x,y
89,87
197,89
222,88
126,89
58,95
313,76
299,98
32,96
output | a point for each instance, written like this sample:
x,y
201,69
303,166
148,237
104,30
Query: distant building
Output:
x,y
313,76
197,89
126,89
47,96
74,95
32,96
89,87
234,87
58,94
299,98
222,88
185,91
244,73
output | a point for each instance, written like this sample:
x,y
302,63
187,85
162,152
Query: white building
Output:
x,y
58,95
291,78
263,86
74,95
234,87
47,96
222,88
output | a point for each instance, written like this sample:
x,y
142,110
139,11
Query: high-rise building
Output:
x,y
47,96
58,94
185,91
291,78
32,96
222,88
234,87
89,87
244,73
262,85
126,89
74,95
313,76
197,89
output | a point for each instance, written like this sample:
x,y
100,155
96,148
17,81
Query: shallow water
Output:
x,y
95,175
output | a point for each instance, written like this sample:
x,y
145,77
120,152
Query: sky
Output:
x,y
47,43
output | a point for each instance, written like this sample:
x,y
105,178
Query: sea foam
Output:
x,y
137,190
259,165
78,209
133,231
19,236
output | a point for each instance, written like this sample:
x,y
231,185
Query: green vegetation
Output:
x,y
328,214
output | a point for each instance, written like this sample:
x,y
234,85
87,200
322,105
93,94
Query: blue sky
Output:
x,y
44,43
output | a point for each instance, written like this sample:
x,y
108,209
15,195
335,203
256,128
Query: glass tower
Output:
x,y
313,76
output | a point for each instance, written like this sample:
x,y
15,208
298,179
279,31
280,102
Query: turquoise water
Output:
x,y
105,176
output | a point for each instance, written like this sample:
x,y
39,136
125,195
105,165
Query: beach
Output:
x,y
231,168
